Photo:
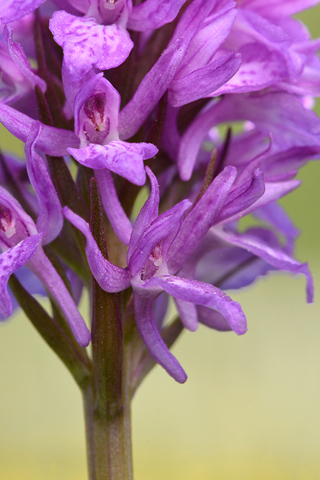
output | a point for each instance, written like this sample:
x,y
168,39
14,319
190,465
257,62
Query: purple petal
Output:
x,y
13,169
200,218
212,319
242,197
160,309
269,111
161,228
110,277
258,29
171,138
53,141
143,310
234,267
150,90
13,10
147,214
273,191
188,314
10,261
151,14
72,86
96,111
16,224
283,165
40,265
275,215
155,83
273,256
204,80
113,208
259,69
30,282
123,158
87,44
202,294
50,219
276,9
213,32
21,60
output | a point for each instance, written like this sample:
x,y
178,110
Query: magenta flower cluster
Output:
x,y
206,102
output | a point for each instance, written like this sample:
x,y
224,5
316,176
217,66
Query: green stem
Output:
x,y
107,399
108,435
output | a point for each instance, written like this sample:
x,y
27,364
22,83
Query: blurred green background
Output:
x,y
249,410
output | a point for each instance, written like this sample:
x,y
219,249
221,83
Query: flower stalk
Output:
x,y
106,401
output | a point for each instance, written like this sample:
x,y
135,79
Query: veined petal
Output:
x,y
143,310
53,141
200,218
150,90
50,219
151,14
274,256
123,158
203,81
110,277
155,83
10,261
269,111
204,294
147,214
21,60
272,192
213,31
242,197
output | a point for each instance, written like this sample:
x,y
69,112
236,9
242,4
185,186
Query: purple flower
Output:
x,y
268,111
96,109
186,68
21,240
87,44
153,261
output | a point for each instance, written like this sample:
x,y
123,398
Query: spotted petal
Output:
x,y
87,44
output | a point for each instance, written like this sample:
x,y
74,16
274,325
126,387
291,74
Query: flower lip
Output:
x,y
153,264
97,128
7,222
